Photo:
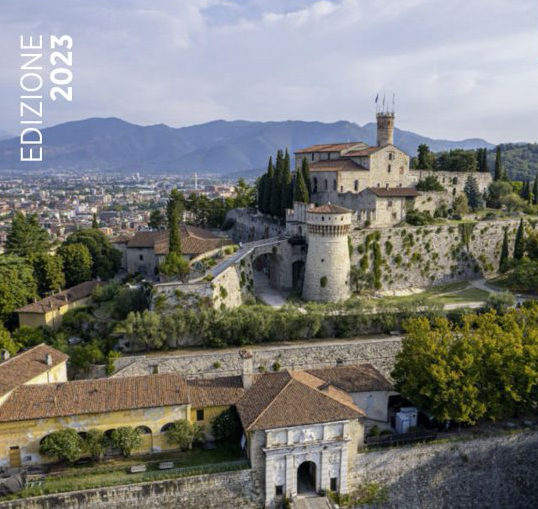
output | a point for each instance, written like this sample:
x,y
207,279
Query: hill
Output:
x,y
519,159
225,147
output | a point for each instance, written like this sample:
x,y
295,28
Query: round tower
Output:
x,y
327,268
385,128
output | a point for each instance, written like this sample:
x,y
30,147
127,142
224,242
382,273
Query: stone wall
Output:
x,y
428,255
497,472
230,490
378,351
250,226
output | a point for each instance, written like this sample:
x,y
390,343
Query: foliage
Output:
x,y
500,301
430,183
26,237
425,159
28,336
275,187
128,300
174,214
460,206
485,367
145,328
6,341
77,263
305,170
184,433
457,160
110,358
503,261
227,426
474,196
520,160
519,244
174,265
157,221
106,259
81,356
125,439
524,275
497,190
418,218
93,443
48,273
513,202
300,189
17,284
66,445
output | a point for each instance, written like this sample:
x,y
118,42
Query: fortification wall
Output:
x,y
379,351
496,472
427,255
250,226
229,490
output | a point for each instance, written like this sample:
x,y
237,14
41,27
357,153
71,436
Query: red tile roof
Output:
x,y
60,299
27,365
329,209
330,147
360,378
205,392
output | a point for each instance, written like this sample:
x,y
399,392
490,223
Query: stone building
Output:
x,y
327,270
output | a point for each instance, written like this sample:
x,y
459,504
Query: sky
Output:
x,y
458,68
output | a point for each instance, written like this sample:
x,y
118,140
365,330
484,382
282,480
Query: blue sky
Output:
x,y
459,68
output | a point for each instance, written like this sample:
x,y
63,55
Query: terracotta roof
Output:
x,y
206,392
121,239
60,299
94,396
328,208
194,241
330,147
25,366
365,152
394,192
292,399
336,165
361,378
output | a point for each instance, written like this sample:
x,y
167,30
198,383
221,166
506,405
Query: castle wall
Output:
x,y
453,181
427,255
495,472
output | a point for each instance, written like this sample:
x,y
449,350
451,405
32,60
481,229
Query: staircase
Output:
x,y
311,502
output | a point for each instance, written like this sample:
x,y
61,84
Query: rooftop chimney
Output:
x,y
4,355
48,359
247,374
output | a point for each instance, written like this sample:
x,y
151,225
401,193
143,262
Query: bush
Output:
x,y
174,265
500,301
184,433
417,218
374,431
125,439
65,444
430,183
94,444
227,426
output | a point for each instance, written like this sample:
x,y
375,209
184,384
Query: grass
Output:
x,y
116,471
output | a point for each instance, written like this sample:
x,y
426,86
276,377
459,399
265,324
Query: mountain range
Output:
x,y
218,147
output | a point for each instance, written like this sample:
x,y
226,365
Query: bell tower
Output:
x,y
385,128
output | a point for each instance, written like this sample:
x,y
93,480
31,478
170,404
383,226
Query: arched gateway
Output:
x,y
306,477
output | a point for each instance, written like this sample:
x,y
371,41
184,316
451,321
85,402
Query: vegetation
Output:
x,y
125,439
430,183
485,367
26,237
174,265
48,273
226,426
65,445
184,434
77,263
17,284
419,218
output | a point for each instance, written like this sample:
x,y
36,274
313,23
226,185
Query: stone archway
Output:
x,y
306,477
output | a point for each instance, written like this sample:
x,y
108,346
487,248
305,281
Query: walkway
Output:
x,y
266,292
312,502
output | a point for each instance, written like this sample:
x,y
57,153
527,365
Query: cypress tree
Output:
x,y
519,245
268,187
286,199
305,170
301,191
498,165
474,197
174,211
276,187
485,160
535,191
524,190
504,253
95,224
261,193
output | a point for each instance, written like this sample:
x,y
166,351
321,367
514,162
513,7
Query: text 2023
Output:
x,y
62,76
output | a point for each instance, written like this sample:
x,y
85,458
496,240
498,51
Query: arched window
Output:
x,y
166,427
334,185
314,185
143,430
326,185
356,185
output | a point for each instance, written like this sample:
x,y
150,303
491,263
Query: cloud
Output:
x,y
458,69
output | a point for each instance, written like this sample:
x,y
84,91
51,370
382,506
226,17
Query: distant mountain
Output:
x,y
4,135
111,144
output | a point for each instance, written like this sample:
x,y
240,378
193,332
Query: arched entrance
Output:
x,y
297,276
306,477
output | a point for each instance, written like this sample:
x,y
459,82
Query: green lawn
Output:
x,y
116,471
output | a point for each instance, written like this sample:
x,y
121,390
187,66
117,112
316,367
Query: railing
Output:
x,y
400,438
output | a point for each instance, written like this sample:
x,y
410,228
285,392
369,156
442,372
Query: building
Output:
x,y
327,269
48,312
384,206
147,249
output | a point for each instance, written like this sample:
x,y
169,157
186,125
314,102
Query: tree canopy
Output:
x,y
26,237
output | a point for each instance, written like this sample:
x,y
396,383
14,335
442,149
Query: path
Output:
x,y
265,291
312,502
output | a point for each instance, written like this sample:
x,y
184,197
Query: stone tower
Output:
x,y
385,128
327,268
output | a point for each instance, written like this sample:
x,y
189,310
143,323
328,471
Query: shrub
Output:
x,y
500,301
276,366
94,444
65,444
374,431
227,426
418,218
125,439
216,364
184,433
430,183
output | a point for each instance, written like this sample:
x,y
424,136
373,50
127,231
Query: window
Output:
x,y
200,415
356,185
334,483
391,156
334,185
315,185
378,185
312,156
389,168
389,203
279,490
329,156
326,184
141,257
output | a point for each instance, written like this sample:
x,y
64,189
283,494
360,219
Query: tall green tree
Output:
x,y
260,196
505,255
535,191
174,213
500,173
77,263
17,284
268,187
244,194
519,245
305,170
425,158
286,200
26,237
300,191
7,342
48,273
95,223
106,259
276,186
474,196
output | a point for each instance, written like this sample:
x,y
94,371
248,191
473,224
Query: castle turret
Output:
x,y
385,128
327,268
